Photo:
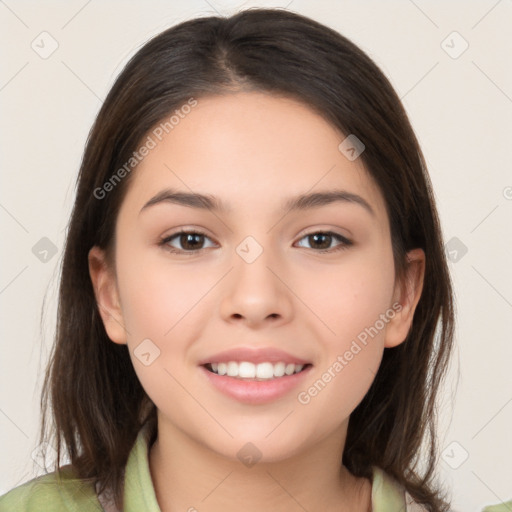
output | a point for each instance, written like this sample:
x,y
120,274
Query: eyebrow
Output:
x,y
214,204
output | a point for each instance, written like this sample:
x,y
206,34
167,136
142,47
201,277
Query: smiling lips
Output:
x,y
254,376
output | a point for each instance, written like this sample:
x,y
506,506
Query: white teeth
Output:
x,y
247,370
279,369
263,371
232,369
290,368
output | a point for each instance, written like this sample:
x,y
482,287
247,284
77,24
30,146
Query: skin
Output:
x,y
253,151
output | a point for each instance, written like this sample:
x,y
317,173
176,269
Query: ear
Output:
x,y
405,299
107,295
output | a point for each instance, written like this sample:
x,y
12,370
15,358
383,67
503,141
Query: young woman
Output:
x,y
255,309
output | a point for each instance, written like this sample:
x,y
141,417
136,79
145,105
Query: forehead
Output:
x,y
245,147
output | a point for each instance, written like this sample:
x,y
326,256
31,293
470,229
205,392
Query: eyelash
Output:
x,y
345,242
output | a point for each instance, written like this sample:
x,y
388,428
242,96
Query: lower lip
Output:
x,y
253,391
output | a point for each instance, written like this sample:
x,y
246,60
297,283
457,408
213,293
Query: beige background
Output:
x,y
459,105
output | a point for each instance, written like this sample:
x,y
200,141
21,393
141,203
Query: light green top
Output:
x,y
45,493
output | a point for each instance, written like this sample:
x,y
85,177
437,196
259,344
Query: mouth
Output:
x,y
255,376
248,371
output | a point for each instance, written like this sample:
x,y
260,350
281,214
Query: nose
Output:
x,y
256,293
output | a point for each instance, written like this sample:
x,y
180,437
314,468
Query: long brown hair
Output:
x,y
98,404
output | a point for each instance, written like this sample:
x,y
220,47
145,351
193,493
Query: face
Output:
x,y
258,270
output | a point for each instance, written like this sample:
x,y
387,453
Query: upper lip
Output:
x,y
254,355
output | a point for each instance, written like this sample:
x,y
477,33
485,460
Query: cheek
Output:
x,y
164,309
165,305
156,294
351,296
352,301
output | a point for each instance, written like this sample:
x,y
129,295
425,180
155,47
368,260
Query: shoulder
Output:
x,y
389,495
503,507
53,492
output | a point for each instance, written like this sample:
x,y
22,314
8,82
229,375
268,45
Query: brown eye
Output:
x,y
191,241
187,241
322,241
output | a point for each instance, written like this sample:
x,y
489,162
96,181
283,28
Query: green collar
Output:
x,y
139,492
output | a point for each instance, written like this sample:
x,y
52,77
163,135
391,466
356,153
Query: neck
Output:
x,y
189,476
